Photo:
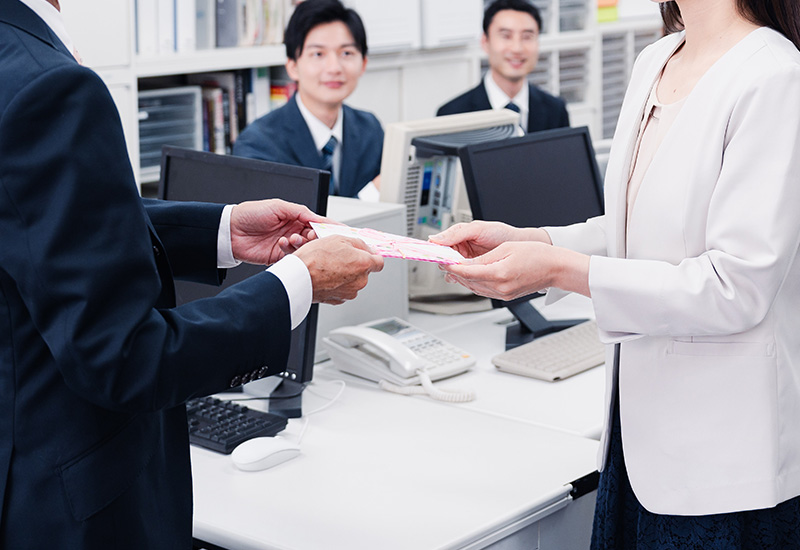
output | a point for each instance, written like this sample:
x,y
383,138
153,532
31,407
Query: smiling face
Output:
x,y
328,67
512,45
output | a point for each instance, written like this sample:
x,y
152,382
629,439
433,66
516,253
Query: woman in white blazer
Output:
x,y
695,280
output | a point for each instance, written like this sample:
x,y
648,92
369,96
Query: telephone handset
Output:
x,y
395,351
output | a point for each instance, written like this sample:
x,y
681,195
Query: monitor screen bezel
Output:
x,y
301,373
532,322
468,153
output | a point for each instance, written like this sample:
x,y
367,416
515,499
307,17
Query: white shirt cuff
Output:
x,y
225,257
296,279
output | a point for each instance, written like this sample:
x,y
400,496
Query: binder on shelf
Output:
x,y
206,24
146,29
229,23
185,25
166,26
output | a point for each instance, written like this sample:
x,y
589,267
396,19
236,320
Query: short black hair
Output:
x,y
312,13
516,5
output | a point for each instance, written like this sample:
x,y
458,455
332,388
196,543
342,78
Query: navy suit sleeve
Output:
x,y
189,233
83,263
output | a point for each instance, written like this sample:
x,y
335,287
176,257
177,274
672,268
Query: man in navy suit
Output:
x,y
96,361
511,42
326,50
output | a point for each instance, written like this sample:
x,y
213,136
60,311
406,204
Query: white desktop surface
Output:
x,y
383,471
574,405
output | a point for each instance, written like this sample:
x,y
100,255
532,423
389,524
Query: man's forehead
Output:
x,y
513,20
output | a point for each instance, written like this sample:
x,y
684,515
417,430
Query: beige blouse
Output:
x,y
656,121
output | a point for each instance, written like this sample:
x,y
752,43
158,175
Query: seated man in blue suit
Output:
x,y
96,362
326,48
511,42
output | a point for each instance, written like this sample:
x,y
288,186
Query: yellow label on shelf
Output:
x,y
605,15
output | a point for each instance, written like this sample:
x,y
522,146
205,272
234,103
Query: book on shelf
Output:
x,y
281,87
260,94
214,120
237,94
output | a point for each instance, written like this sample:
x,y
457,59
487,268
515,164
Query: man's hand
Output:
x,y
339,267
262,232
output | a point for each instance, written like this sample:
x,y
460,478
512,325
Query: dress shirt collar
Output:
x,y
498,98
319,130
53,18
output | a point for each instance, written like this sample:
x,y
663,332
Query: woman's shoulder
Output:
x,y
771,45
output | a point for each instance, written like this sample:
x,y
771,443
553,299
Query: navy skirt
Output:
x,y
621,523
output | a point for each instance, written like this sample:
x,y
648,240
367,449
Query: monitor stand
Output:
x,y
285,397
530,323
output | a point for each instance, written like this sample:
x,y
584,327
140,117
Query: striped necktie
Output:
x,y
327,162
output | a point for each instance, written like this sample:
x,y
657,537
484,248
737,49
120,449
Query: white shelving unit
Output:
x,y
410,72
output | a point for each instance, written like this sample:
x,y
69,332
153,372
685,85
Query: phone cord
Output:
x,y
427,388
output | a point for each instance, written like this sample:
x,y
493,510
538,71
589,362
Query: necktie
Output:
x,y
327,162
514,107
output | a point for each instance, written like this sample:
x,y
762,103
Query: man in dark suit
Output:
x,y
326,50
95,360
511,42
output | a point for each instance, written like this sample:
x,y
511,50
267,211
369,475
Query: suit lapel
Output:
x,y
301,142
480,99
536,115
352,147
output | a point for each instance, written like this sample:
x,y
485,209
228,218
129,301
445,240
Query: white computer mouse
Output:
x,y
261,453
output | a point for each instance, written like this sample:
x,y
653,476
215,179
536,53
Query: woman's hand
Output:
x,y
515,269
479,237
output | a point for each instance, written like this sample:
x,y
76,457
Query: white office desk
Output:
x,y
383,471
574,405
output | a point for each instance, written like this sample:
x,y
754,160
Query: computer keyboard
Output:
x,y
221,425
555,356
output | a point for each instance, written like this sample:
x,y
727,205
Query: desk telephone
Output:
x,y
398,356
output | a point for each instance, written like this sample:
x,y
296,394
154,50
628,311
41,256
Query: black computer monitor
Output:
x,y
188,175
547,178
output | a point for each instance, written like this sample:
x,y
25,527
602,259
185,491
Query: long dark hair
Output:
x,y
781,15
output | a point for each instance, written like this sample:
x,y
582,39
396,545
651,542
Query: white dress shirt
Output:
x,y
320,133
498,99
290,270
